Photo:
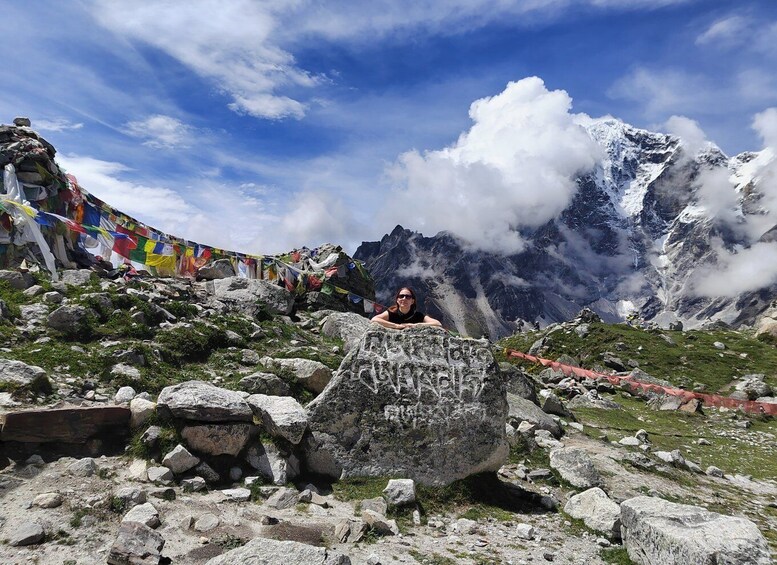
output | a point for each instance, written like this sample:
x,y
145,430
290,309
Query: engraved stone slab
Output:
x,y
416,403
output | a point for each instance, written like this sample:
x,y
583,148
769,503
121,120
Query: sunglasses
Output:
x,y
408,296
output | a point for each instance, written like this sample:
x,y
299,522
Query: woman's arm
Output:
x,y
382,320
429,321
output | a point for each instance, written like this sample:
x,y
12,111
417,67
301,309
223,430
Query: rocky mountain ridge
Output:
x,y
638,238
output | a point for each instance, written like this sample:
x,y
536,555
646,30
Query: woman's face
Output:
x,y
405,300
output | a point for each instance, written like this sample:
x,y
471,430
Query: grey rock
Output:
x,y
20,373
404,402
195,484
136,543
48,500
52,297
283,498
17,280
282,416
248,295
160,475
124,394
379,523
377,504
76,277
26,533
551,404
592,399
713,471
145,514
346,326
597,511
238,494
85,467
197,400
278,467
575,466
129,497
207,472
400,492
180,460
127,371
141,410
313,375
206,522
658,531
521,410
264,383
754,386
271,552
219,269
518,382
70,320
218,439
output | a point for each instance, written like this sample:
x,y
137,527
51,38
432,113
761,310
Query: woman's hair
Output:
x,y
395,307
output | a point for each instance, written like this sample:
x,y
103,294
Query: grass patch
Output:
x,y
616,556
691,357
359,488
433,559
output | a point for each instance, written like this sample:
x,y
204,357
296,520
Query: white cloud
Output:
x,y
515,167
715,192
690,133
161,132
765,124
665,91
314,218
56,124
728,31
748,270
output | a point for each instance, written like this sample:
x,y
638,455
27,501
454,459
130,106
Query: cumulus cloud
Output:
x,y
747,270
161,132
765,124
690,133
715,192
515,167
316,217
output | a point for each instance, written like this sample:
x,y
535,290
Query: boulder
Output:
x,y
136,543
272,464
551,404
282,416
597,511
658,531
250,296
518,382
575,467
197,400
17,280
754,386
26,533
417,403
76,277
179,460
218,439
313,375
346,326
400,492
70,320
20,373
592,399
273,552
144,513
264,383
521,410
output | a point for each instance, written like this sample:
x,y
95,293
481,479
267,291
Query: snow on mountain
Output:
x,y
644,229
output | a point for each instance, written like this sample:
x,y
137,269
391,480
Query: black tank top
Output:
x,y
399,318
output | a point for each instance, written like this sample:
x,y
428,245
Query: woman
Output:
x,y
403,314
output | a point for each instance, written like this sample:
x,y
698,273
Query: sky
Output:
x,y
264,126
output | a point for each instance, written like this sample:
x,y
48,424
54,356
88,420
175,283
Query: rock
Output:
x,y
346,326
20,373
129,497
48,500
264,383
136,543
141,411
124,395
17,280
85,467
282,416
218,439
518,383
629,441
283,498
160,475
719,345
250,296
237,494
280,468
658,531
180,460
418,403
207,472
272,552
377,504
125,371
206,522
754,386
76,277
713,471
597,511
52,297
313,375
400,492
197,400
521,410
26,533
575,467
525,531
70,320
551,404
693,406
145,514
195,484
379,523
591,399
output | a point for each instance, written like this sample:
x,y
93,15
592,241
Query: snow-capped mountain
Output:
x,y
652,230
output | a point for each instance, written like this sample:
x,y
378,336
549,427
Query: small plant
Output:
x,y
117,505
77,518
616,555
229,541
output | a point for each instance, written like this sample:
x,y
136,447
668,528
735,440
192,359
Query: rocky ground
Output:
x,y
59,509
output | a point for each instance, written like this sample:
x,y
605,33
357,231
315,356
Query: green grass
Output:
x,y
616,556
692,358
433,559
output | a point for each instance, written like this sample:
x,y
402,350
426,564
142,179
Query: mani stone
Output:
x,y
416,403
658,531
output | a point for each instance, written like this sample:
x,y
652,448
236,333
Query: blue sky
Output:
x,y
265,126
